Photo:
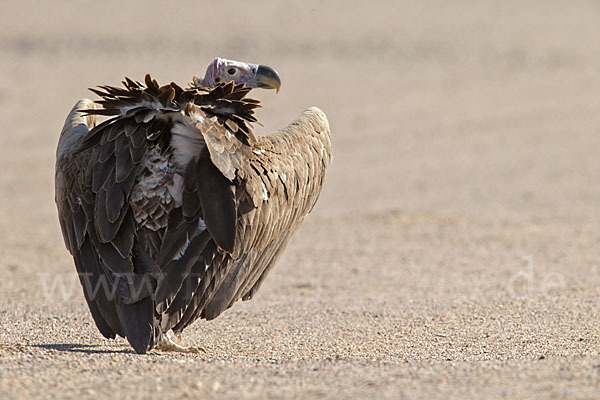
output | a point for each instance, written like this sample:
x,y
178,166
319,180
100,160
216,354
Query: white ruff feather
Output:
x,y
187,142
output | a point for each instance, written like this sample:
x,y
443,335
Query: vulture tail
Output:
x,y
138,323
138,319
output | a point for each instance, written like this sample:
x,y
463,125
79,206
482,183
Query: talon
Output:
x,y
167,343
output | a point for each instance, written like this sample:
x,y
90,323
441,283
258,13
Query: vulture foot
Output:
x,y
168,342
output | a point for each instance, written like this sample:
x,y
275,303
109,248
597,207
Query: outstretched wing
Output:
x,y
95,175
271,186
76,211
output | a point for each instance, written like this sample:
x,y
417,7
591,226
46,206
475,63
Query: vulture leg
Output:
x,y
168,342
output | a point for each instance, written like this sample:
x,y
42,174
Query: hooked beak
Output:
x,y
267,78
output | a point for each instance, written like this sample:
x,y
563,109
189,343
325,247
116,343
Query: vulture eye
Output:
x,y
231,71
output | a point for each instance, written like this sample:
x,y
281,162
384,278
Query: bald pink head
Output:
x,y
253,75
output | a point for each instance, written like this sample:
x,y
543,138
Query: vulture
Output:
x,y
172,208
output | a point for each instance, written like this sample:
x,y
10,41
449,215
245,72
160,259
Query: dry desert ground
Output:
x,y
455,250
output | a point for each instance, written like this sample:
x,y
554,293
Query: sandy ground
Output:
x,y
455,251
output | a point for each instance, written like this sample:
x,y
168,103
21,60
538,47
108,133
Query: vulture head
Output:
x,y
253,75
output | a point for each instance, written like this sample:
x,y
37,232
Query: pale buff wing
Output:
x,y
276,182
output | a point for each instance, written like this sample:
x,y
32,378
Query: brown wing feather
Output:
x,y
272,198
217,202
97,179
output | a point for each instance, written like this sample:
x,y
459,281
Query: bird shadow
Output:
x,y
80,348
